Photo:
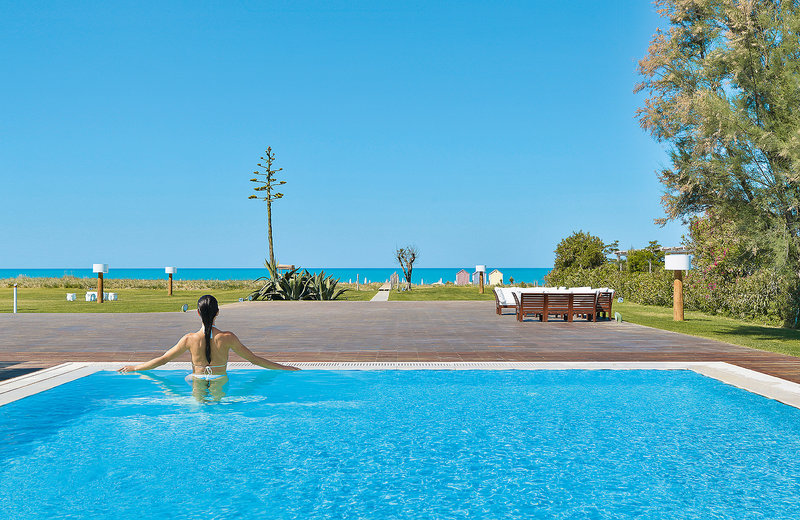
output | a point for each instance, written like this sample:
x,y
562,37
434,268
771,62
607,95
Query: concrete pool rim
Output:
x,y
764,385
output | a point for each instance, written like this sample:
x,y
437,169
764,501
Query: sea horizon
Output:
x,y
344,274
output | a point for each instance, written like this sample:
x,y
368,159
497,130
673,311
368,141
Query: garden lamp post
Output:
x,y
170,271
677,263
100,269
481,270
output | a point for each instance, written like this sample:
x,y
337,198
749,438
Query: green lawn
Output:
x,y
130,300
738,332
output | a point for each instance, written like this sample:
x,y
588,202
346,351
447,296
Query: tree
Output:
x,y
721,248
644,260
722,87
267,182
406,256
580,249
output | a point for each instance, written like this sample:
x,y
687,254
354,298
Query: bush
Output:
x,y
581,250
761,296
297,285
641,260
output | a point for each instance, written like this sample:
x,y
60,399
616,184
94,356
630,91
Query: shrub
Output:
x,y
581,250
761,296
297,285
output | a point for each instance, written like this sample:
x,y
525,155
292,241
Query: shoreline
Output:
x,y
345,275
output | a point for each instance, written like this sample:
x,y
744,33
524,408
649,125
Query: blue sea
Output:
x,y
370,274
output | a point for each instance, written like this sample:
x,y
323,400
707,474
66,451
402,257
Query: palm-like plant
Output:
x,y
296,285
325,287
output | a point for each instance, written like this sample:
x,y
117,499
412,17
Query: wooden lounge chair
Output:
x,y
585,304
605,299
504,299
530,303
559,304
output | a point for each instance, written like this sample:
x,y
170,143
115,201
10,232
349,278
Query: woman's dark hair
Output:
x,y
208,308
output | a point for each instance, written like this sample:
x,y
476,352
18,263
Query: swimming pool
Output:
x,y
401,444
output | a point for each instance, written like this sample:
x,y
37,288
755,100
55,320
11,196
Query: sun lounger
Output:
x,y
584,304
605,299
559,304
530,303
566,304
504,299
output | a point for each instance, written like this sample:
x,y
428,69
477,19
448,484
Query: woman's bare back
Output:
x,y
220,349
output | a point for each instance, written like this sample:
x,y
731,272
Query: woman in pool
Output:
x,y
209,348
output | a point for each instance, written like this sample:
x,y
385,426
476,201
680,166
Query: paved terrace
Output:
x,y
362,331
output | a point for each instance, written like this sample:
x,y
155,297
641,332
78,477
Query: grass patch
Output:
x,y
738,332
448,292
130,300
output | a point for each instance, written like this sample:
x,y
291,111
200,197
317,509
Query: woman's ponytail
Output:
x,y
208,307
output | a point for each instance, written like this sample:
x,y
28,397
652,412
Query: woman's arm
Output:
x,y
250,356
169,355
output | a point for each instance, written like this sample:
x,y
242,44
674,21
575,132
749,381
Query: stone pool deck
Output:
x,y
363,331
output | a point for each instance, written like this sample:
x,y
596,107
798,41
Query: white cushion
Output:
x,y
501,296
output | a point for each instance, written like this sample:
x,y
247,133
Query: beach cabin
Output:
x,y
462,277
495,278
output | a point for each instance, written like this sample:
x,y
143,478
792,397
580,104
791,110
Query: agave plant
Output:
x,y
325,287
296,285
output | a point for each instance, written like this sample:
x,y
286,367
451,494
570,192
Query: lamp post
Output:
x,y
678,263
100,269
481,270
170,271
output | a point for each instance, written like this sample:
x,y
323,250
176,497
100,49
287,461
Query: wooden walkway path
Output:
x,y
364,331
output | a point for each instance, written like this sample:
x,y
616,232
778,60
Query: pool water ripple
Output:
x,y
410,444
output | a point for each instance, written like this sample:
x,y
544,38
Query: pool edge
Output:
x,y
758,383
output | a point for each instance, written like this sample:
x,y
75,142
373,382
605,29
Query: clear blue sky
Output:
x,y
482,132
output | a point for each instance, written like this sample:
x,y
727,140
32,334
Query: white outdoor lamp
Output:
x,y
481,270
677,263
170,271
100,269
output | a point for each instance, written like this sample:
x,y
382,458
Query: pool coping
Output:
x,y
764,385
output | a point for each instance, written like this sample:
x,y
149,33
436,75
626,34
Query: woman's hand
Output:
x,y
126,369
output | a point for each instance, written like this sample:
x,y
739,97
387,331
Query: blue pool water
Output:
x,y
401,444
